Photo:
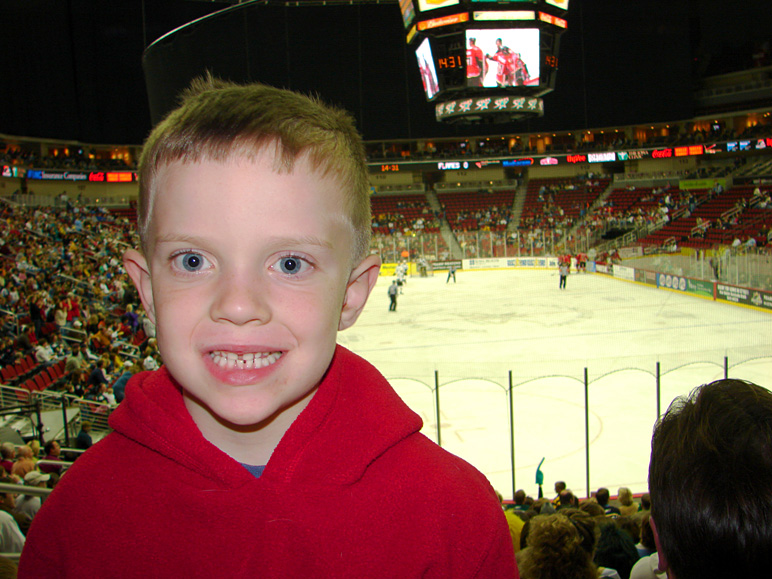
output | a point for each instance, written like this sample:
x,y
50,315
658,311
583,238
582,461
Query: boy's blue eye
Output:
x,y
191,262
290,265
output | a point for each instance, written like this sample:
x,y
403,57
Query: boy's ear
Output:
x,y
663,566
360,283
136,266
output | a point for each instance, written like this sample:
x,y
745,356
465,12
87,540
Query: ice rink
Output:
x,y
493,328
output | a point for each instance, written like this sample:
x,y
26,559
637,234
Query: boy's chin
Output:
x,y
239,417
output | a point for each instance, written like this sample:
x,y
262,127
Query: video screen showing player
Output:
x,y
510,57
476,63
426,66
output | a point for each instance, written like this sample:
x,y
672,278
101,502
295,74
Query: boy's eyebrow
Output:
x,y
273,241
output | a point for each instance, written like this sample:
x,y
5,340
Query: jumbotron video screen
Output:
x,y
483,61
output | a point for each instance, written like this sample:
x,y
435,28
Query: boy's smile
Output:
x,y
249,278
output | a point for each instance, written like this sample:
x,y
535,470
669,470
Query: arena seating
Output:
x,y
465,211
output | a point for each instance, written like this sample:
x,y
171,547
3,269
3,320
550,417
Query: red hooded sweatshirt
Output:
x,y
353,490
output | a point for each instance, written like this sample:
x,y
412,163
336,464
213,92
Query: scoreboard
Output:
x,y
485,61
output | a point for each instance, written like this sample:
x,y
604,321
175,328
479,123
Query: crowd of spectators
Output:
x,y
568,538
64,296
91,158
683,135
489,218
65,299
77,159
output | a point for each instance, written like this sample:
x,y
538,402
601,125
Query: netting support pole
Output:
x,y
659,394
726,367
512,433
437,405
587,429
66,423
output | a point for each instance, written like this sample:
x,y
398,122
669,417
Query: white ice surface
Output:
x,y
471,335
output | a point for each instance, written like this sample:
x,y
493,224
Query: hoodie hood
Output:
x,y
353,418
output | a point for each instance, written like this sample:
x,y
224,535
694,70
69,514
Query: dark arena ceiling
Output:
x,y
73,69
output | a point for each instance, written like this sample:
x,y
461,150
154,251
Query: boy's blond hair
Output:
x,y
219,120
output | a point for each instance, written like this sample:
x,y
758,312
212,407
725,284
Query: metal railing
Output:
x,y
504,421
26,403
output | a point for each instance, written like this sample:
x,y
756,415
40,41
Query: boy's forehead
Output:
x,y
264,160
183,179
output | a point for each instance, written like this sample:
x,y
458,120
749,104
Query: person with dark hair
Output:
x,y
53,450
710,480
96,378
520,501
602,496
566,499
393,291
615,550
630,526
645,507
559,487
592,508
647,567
8,454
83,441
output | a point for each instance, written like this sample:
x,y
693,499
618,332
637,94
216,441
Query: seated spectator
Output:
x,y
709,479
602,496
615,549
84,441
567,499
131,318
554,549
630,526
8,354
11,538
24,463
76,360
627,506
520,501
514,522
150,363
646,546
60,317
8,453
34,445
119,386
648,568
592,508
27,506
44,354
52,450
96,379
102,339
645,502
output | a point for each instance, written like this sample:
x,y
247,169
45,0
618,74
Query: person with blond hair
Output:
x,y
627,506
25,461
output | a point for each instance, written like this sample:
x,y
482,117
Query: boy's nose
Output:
x,y
240,300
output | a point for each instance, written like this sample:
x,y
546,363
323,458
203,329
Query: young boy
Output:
x,y
261,448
